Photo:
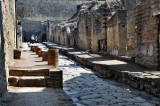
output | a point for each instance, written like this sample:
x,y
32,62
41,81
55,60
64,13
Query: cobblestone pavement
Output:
x,y
85,87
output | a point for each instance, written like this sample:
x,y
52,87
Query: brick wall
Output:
x,y
131,41
146,33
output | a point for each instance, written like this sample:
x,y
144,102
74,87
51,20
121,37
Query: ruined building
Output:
x,y
38,15
117,28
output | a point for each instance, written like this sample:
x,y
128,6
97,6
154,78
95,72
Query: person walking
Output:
x,y
36,39
32,38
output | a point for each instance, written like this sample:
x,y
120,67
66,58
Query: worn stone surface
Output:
x,y
7,42
116,34
41,96
131,38
85,87
133,75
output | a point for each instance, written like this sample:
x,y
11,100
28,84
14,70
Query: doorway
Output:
x,y
44,38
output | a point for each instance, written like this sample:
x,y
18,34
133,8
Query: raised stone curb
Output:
x,y
133,79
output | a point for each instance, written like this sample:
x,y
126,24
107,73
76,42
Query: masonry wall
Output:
x,y
131,40
98,28
7,42
43,10
147,33
83,27
117,34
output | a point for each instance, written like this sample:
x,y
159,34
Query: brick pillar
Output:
x,y
44,56
38,49
35,49
40,54
53,57
17,54
55,79
31,46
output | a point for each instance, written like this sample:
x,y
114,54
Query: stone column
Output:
x,y
48,30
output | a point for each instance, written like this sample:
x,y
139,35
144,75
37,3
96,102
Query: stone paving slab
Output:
x,y
131,74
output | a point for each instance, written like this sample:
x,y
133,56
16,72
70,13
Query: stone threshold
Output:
x,y
137,77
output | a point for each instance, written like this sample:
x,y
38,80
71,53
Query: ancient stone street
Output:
x,y
79,52
85,88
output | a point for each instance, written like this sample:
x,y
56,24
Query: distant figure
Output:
x,y
36,39
32,38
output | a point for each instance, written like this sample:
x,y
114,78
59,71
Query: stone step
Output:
x,y
29,72
28,81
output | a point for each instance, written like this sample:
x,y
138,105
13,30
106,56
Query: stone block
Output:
x,y
13,81
17,54
55,78
29,72
29,81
